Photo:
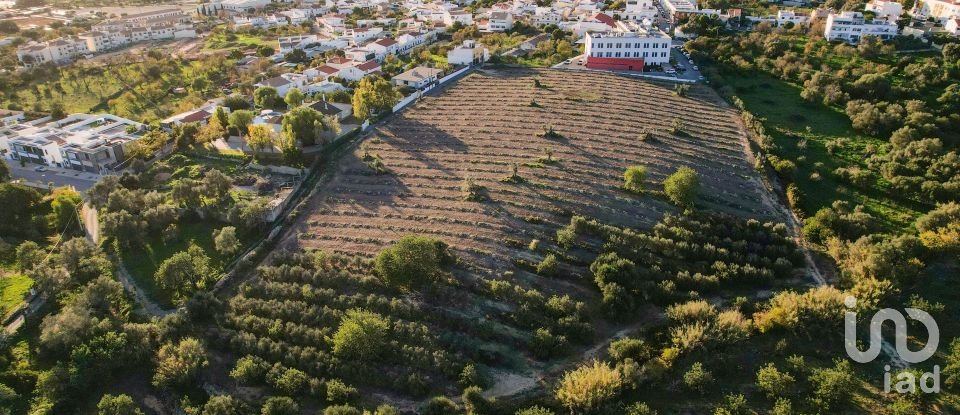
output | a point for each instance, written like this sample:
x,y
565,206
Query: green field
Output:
x,y
790,120
142,262
221,40
12,290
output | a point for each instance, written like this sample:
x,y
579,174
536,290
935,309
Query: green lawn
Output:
x,y
219,41
13,288
790,120
142,262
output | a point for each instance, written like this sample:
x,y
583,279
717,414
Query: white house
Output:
x,y
546,16
885,8
92,143
468,53
288,44
10,117
284,82
498,22
952,26
851,27
790,16
458,16
941,10
361,35
417,78
383,47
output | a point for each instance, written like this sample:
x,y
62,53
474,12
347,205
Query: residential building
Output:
x,y
546,16
10,117
598,22
468,53
290,43
851,27
383,47
952,26
940,10
332,109
458,16
284,83
356,72
417,78
677,8
498,22
199,115
629,48
94,143
885,9
790,16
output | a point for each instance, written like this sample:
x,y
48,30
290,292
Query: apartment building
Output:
x,y
850,27
628,48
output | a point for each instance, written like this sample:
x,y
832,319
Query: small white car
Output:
x,y
580,62
696,68
40,169
566,62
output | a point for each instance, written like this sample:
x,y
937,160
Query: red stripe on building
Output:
x,y
615,64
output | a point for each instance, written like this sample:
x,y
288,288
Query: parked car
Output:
x,y
579,61
670,71
40,169
696,68
566,62
690,61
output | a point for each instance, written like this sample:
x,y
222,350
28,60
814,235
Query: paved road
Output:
x,y
60,177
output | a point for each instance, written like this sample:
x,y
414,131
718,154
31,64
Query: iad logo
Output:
x,y
906,381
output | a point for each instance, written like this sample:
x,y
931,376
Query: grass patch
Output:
x,y
142,262
222,40
790,120
12,290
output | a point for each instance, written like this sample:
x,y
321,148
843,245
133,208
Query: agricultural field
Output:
x,y
13,288
444,170
488,123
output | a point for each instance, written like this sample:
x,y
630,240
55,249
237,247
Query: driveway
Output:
x,y
60,177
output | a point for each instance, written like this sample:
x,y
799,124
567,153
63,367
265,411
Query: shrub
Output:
x,y
475,403
341,410
773,382
249,370
633,178
362,335
535,410
548,267
691,311
697,378
682,187
279,405
411,261
589,388
440,405
640,408
339,392
630,348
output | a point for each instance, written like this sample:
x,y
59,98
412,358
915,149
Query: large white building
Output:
x,y
851,27
84,142
628,48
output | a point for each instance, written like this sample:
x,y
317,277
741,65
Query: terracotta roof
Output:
x,y
195,117
605,19
368,65
338,61
386,42
327,69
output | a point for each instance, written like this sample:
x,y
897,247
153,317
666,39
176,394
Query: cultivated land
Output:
x,y
493,309
486,123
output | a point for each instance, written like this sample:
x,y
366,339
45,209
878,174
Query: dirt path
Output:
x,y
131,286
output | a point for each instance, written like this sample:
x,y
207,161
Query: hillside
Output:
x,y
486,124
517,306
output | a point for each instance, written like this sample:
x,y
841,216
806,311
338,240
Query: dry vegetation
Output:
x,y
486,124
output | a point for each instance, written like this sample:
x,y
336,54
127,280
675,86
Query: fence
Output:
x,y
413,97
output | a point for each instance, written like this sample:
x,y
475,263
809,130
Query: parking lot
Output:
x,y
684,70
59,177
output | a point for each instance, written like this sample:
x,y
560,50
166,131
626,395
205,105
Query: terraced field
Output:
x,y
498,307
487,123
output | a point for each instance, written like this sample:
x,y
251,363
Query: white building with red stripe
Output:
x,y
629,47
